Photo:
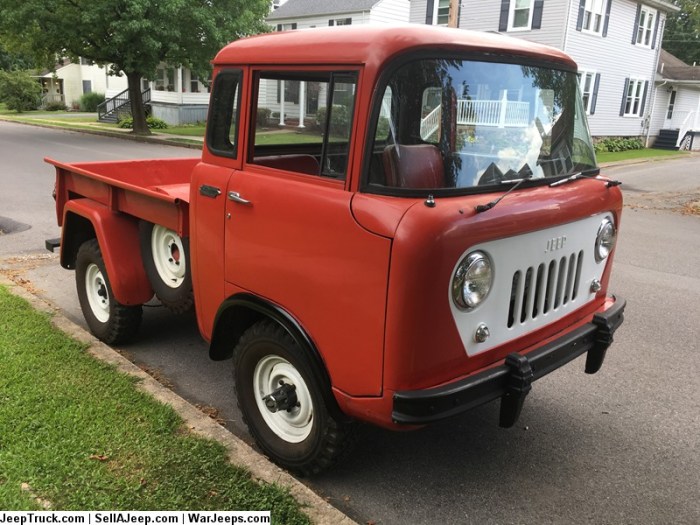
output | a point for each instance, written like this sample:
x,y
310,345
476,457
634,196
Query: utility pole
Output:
x,y
453,18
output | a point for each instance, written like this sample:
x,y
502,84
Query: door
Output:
x,y
210,179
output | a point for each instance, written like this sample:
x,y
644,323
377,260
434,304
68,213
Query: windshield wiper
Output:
x,y
581,175
485,207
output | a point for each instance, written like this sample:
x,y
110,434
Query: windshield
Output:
x,y
456,124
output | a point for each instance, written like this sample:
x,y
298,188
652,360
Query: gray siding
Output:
x,y
484,15
417,13
389,11
615,58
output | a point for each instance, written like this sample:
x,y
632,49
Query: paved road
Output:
x,y
617,447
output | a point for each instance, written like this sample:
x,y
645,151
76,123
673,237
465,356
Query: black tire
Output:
x,y
109,320
171,278
329,438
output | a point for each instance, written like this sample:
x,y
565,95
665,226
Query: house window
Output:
x,y
520,16
645,26
87,86
593,13
588,83
340,22
671,103
441,12
634,97
287,27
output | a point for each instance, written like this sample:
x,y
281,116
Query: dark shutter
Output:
x,y
537,14
581,11
503,22
594,95
636,24
624,97
644,99
429,12
656,30
607,18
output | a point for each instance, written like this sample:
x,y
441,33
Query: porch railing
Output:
x,y
119,104
52,98
689,124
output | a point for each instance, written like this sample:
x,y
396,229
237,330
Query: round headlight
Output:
x,y
605,240
472,280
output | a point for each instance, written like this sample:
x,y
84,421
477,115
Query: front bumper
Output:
x,y
511,381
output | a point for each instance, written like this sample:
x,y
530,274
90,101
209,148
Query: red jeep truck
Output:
x,y
387,224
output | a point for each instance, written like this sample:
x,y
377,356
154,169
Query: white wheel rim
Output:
x,y
168,256
293,425
97,294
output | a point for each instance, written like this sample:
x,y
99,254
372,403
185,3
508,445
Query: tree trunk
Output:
x,y
137,110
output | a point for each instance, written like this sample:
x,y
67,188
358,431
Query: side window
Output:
x,y
303,121
224,113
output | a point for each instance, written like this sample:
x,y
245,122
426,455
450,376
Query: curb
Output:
x,y
239,452
153,139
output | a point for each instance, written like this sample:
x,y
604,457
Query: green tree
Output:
x,y
19,90
682,34
13,61
132,36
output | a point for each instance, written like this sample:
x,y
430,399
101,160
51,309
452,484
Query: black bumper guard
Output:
x,y
511,381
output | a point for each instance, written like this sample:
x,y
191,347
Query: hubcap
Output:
x,y
168,256
96,291
283,399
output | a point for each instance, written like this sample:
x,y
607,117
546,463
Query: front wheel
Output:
x,y
282,402
109,320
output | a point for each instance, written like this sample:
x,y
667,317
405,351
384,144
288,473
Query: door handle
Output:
x,y
209,191
236,197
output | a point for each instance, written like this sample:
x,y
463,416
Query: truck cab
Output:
x,y
390,225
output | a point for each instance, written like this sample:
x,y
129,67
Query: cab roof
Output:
x,y
373,45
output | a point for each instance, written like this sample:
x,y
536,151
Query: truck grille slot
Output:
x,y
540,289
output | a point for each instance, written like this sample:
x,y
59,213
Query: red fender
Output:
x,y
118,236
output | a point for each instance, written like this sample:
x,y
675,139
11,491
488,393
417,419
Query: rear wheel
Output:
x,y
109,320
283,404
166,261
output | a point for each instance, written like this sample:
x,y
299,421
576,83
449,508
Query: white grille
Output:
x,y
539,277
538,290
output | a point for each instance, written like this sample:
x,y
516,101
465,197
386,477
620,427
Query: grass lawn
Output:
x,y
636,154
84,438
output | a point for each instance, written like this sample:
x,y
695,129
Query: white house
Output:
x,y
616,44
71,80
675,118
301,14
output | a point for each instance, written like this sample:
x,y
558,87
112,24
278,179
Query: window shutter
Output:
x,y
644,99
594,96
636,24
503,22
607,18
429,12
624,97
656,30
537,14
581,11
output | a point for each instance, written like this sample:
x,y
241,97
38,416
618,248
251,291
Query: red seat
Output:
x,y
413,166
